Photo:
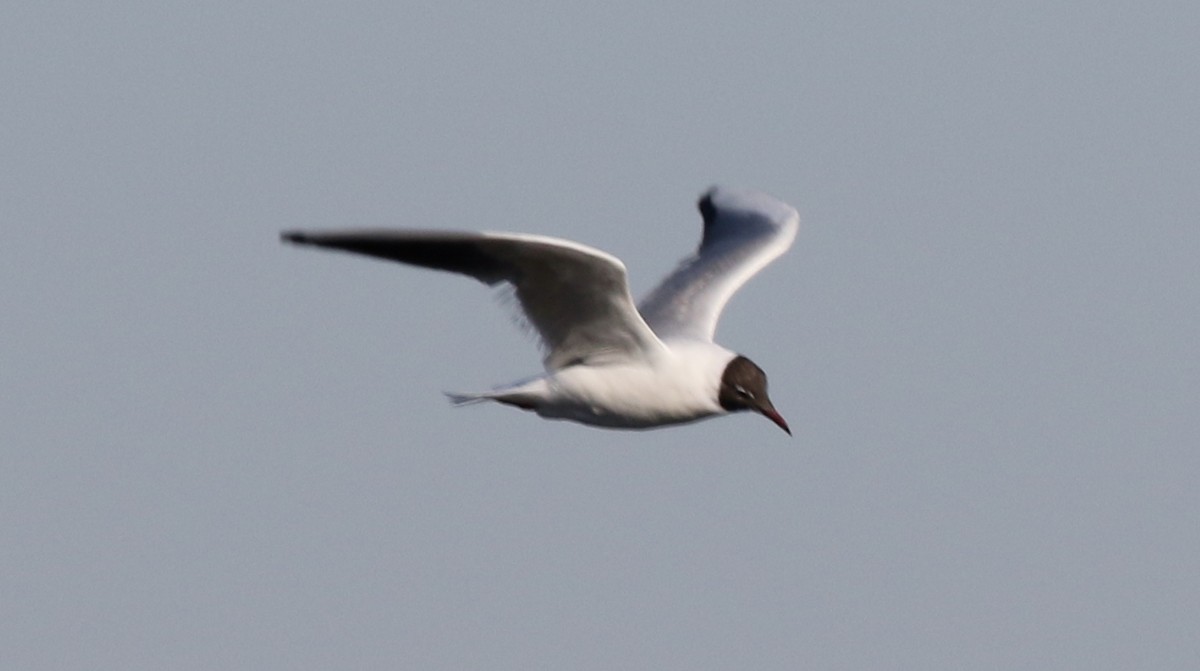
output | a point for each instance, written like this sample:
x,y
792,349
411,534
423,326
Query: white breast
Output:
x,y
679,386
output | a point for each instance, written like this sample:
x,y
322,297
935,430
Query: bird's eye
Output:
x,y
741,391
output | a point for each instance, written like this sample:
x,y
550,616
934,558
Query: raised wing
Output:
x,y
576,297
743,232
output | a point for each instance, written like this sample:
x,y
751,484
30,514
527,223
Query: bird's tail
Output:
x,y
524,395
458,399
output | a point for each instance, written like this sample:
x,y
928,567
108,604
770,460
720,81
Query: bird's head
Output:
x,y
744,387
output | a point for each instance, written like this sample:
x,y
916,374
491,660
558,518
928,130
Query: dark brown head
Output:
x,y
744,387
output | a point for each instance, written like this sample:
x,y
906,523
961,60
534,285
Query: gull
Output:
x,y
608,362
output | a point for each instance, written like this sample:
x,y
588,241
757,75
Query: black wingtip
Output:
x,y
297,237
707,209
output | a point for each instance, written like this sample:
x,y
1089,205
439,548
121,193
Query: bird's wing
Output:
x,y
743,232
576,297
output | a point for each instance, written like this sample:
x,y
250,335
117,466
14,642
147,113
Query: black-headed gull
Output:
x,y
609,363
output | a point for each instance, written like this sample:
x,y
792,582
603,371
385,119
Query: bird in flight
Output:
x,y
609,362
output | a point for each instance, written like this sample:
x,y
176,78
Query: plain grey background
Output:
x,y
220,452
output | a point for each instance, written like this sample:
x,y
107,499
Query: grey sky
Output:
x,y
221,452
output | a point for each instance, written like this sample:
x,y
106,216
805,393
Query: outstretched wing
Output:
x,y
576,297
743,232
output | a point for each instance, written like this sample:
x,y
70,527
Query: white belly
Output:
x,y
636,395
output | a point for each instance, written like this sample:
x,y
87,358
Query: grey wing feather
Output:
x,y
743,232
576,297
